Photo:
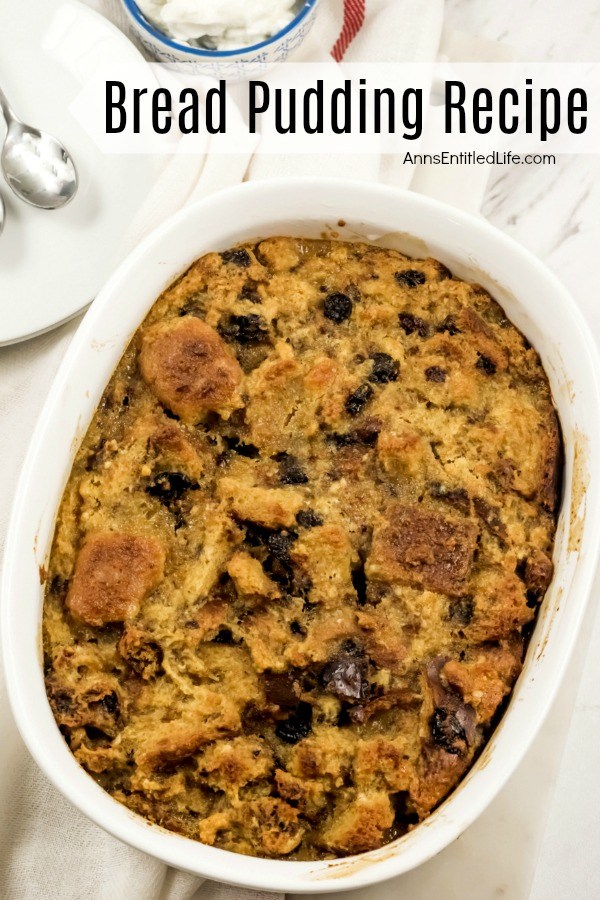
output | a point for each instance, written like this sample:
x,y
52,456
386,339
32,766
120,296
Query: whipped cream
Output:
x,y
227,24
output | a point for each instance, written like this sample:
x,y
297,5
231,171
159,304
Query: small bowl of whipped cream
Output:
x,y
221,37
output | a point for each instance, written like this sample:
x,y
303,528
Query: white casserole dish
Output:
x,y
534,300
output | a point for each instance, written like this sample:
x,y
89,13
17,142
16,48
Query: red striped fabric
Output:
x,y
354,19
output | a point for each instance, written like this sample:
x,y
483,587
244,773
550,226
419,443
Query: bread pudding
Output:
x,y
301,548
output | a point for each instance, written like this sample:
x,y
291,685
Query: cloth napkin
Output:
x,y
47,848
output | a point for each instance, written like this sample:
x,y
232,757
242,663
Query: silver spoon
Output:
x,y
2,214
36,166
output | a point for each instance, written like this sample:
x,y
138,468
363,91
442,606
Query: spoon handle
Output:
x,y
5,106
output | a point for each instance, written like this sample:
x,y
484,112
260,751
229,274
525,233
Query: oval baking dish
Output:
x,y
537,304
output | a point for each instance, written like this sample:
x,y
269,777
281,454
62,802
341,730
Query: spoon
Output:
x,y
2,214
36,166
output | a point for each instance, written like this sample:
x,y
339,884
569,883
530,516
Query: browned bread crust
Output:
x,y
113,574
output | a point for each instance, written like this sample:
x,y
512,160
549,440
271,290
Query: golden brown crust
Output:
x,y
423,549
189,368
113,574
301,548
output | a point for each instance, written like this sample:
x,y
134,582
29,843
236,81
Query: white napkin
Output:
x,y
47,848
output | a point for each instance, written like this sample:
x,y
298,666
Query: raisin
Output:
x,y
278,564
279,543
385,369
297,726
169,487
337,307
356,401
290,470
435,374
250,294
280,688
249,451
280,571
446,731
461,610
345,676
411,324
410,278
224,636
486,364
256,535
110,702
250,329
238,256
449,326
307,518
293,474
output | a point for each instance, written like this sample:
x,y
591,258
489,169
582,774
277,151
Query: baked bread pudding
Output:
x,y
301,548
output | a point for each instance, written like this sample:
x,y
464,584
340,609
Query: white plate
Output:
x,y
53,263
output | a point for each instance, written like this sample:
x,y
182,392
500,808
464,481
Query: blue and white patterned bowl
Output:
x,y
223,63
